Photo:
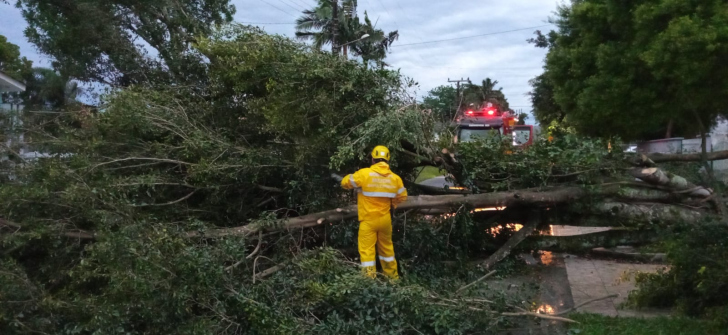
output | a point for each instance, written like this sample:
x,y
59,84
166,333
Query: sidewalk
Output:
x,y
595,278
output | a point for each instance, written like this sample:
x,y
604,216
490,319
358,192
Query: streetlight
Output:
x,y
356,40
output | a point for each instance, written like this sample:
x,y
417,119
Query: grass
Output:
x,y
592,324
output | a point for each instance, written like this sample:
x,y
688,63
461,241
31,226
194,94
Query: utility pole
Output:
x,y
457,95
335,13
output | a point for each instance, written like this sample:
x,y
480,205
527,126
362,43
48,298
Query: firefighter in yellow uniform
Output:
x,y
378,191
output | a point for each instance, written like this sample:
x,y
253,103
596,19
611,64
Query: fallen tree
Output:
x,y
695,157
211,207
521,199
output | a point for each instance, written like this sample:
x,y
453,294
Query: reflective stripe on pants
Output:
x,y
377,233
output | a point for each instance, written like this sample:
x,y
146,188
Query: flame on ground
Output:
x,y
494,231
547,257
545,309
487,209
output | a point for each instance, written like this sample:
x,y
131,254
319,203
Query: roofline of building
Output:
x,y
12,82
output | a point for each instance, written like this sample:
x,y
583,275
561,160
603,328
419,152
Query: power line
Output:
x,y
416,31
276,7
473,36
294,8
490,68
305,5
268,22
398,29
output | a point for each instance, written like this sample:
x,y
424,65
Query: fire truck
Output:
x,y
489,120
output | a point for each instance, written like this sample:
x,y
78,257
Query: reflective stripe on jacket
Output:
x,y
378,189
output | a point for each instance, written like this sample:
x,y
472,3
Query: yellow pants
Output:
x,y
377,232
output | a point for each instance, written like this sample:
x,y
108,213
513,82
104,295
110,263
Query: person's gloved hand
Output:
x,y
337,177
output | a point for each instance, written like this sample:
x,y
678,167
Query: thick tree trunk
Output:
x,y
649,212
437,205
673,182
697,157
499,199
335,48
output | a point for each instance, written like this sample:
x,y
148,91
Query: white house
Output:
x,y
10,85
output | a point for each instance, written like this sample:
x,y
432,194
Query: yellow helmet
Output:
x,y
380,152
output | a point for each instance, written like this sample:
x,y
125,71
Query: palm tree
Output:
x,y
48,89
375,47
317,24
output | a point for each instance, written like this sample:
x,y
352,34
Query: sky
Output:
x,y
501,54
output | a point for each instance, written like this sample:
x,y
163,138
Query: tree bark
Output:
x,y
697,157
516,239
335,48
668,133
649,212
660,178
531,199
499,199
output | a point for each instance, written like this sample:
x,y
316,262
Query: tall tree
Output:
x,y
484,93
317,24
123,42
11,63
48,89
545,108
441,100
632,68
375,47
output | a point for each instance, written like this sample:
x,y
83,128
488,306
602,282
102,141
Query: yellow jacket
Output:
x,y
378,190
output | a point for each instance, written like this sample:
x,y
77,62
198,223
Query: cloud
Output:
x,y
12,25
505,57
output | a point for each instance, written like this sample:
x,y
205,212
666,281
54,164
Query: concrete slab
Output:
x,y
593,278
561,230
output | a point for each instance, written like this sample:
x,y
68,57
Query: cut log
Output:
x,y
650,212
661,178
697,157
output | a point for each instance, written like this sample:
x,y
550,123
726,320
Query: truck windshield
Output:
x,y
521,136
469,134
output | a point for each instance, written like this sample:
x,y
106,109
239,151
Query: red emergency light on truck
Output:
x,y
490,121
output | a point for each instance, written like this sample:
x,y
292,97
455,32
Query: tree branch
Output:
x,y
475,282
697,157
171,202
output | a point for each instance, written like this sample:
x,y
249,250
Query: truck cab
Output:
x,y
490,121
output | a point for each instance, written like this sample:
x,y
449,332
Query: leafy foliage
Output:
x,y
493,164
317,24
592,324
101,41
696,281
545,109
478,95
442,101
251,145
10,61
629,69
